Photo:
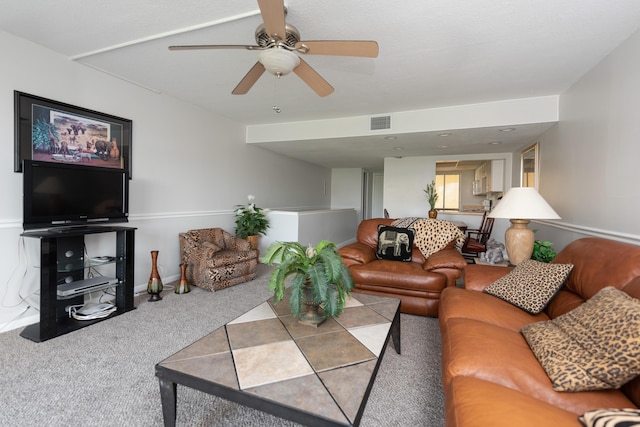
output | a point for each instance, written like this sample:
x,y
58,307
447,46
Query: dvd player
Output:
x,y
86,285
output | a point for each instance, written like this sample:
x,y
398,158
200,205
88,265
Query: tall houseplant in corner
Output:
x,y
320,278
432,195
251,221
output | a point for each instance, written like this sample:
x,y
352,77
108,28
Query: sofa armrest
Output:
x,y
477,277
188,246
446,258
357,253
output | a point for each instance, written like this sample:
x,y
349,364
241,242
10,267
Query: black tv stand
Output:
x,y
72,228
55,265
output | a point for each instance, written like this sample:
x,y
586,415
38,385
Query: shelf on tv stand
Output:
x,y
74,230
54,321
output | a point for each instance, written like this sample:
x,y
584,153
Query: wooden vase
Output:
x,y
433,214
183,286
154,287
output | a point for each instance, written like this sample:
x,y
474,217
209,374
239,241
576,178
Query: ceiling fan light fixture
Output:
x,y
278,61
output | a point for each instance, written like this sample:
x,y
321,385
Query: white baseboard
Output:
x,y
21,316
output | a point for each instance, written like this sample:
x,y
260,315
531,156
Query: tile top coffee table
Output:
x,y
265,360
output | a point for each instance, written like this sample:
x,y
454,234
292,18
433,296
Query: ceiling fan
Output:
x,y
280,44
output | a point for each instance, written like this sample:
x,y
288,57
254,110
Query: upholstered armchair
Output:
x,y
217,259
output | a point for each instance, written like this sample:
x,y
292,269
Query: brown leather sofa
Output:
x,y
490,375
418,283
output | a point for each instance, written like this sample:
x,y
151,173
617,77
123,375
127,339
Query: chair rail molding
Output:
x,y
633,239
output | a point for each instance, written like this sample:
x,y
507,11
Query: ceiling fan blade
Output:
x,y
313,79
215,46
273,16
249,80
364,48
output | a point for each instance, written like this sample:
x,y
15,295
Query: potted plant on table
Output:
x,y
432,195
321,281
251,221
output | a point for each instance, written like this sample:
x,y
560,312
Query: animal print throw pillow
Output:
x,y
212,247
611,418
394,243
595,346
531,285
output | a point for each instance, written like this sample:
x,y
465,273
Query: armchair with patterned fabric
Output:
x,y
217,259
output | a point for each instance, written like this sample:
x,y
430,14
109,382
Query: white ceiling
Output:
x,y
433,53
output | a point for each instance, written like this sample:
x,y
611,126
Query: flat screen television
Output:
x,y
68,195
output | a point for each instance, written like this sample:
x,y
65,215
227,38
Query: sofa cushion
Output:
x,y
593,347
394,243
598,263
473,402
368,230
402,275
500,355
611,418
531,285
212,248
456,302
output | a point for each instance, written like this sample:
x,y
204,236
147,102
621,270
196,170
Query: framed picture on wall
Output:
x,y
52,131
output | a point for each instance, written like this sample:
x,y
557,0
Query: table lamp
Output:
x,y
520,205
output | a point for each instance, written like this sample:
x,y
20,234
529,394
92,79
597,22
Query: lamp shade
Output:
x,y
523,203
279,62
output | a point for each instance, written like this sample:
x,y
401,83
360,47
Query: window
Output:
x,y
448,186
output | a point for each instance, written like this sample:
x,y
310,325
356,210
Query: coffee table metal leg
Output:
x,y
395,332
168,397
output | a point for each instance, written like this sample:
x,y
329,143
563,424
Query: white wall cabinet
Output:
x,y
489,178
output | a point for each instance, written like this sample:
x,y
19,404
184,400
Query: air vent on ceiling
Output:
x,y
381,122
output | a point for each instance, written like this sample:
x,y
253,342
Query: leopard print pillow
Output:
x,y
212,246
531,285
595,346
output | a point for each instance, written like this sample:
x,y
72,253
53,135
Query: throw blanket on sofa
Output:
x,y
432,235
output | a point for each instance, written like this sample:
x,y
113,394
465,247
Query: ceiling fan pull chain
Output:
x,y
275,94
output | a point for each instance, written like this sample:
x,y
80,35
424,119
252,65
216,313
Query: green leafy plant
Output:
x,y
320,268
250,219
432,194
542,251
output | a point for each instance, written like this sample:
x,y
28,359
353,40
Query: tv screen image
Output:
x,y
58,194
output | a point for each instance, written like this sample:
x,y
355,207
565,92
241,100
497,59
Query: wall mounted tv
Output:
x,y
67,195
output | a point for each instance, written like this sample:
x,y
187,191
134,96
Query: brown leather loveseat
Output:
x,y
490,374
417,283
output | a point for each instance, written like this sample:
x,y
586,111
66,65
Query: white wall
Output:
x,y
377,191
346,189
542,109
189,167
310,227
589,161
404,182
405,179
